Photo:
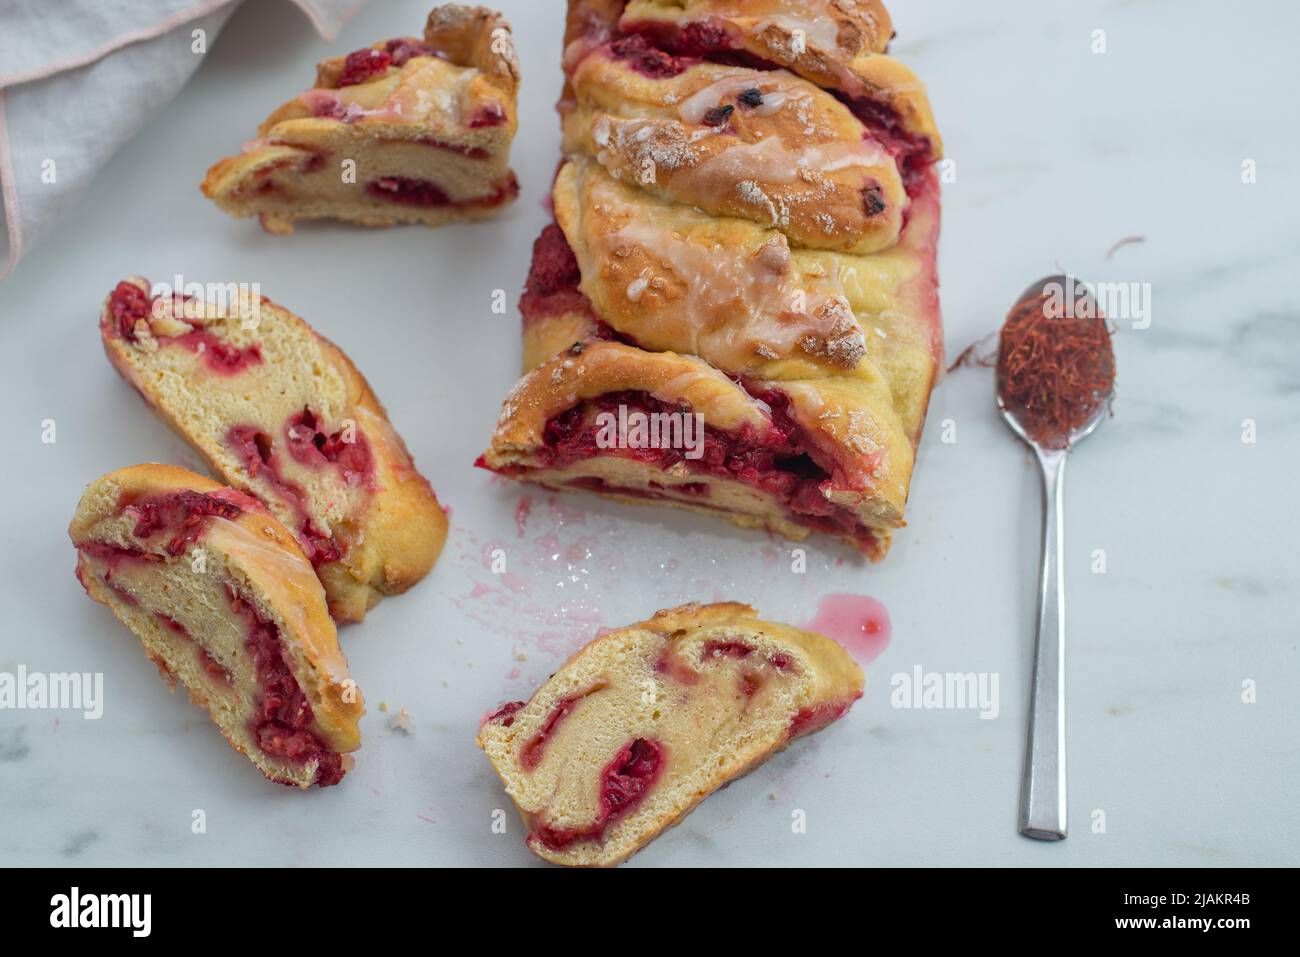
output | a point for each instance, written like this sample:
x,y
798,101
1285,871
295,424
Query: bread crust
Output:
x,y
265,559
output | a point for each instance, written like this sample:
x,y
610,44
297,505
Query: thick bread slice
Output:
x,y
281,413
645,722
225,603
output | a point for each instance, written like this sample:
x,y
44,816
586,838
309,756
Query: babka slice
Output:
x,y
404,131
645,722
736,310
225,603
281,413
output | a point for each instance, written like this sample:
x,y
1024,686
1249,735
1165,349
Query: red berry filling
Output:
x,y
346,449
422,192
282,722
211,667
530,756
219,355
363,65
256,450
553,278
624,783
404,48
128,304
813,719
647,60
777,462
182,515
506,713
489,115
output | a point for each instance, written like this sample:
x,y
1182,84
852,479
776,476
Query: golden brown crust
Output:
x,y
446,116
760,145
267,564
660,681
836,44
392,540
768,222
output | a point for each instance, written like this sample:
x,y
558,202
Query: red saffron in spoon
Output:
x,y
1055,362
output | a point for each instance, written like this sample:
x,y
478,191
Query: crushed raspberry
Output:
x,y
553,278
808,720
646,59
363,65
282,722
210,666
403,49
218,355
423,192
346,449
727,649
777,462
624,783
506,713
697,38
256,451
128,304
489,115
181,514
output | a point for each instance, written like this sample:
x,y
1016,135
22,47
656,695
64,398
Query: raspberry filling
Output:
x,y
776,463
210,666
506,713
530,756
256,450
490,114
282,721
128,304
363,65
426,193
720,648
217,354
808,720
404,48
553,277
648,60
347,449
182,515
624,783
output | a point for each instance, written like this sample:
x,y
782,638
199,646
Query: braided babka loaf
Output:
x,y
425,124
736,310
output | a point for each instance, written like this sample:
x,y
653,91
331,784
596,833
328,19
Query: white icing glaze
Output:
x,y
775,88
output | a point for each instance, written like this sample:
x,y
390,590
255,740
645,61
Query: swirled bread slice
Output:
x,y
225,603
645,722
404,131
281,413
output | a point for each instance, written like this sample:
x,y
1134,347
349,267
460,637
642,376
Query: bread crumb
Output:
x,y
402,722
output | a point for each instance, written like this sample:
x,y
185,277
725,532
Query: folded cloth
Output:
x,y
78,83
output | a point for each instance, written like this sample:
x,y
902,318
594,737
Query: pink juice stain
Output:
x,y
859,623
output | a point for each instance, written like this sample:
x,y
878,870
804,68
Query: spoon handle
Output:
x,y
1042,790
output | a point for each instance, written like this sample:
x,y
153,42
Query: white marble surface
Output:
x,y
1060,152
